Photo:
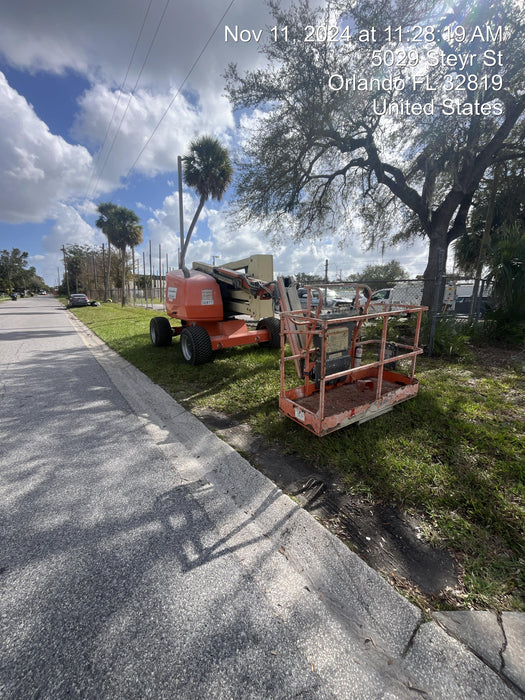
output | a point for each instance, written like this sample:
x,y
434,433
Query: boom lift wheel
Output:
x,y
273,325
195,344
160,331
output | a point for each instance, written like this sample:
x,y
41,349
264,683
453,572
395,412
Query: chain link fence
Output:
x,y
150,294
452,298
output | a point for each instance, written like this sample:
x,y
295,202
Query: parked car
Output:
x,y
462,305
331,299
382,296
80,300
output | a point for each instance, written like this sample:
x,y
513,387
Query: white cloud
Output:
x,y
164,230
39,168
45,177
68,229
226,244
97,39
146,119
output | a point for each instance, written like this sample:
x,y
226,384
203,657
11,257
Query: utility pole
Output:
x,y
133,276
181,220
150,275
160,272
104,273
93,259
65,268
145,281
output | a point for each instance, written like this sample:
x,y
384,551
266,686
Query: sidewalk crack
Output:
x,y
504,644
410,642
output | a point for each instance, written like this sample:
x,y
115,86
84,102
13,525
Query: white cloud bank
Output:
x,y
57,177
39,169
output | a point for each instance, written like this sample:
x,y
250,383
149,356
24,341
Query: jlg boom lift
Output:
x,y
212,304
336,387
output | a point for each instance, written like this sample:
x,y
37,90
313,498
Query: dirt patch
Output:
x,y
494,359
389,541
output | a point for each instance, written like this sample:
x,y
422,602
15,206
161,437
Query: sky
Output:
x,y
97,100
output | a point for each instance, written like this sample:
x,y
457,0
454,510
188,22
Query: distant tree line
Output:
x,y
96,268
15,275
122,229
376,276
84,269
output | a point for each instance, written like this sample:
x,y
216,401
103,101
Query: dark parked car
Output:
x,y
462,305
80,300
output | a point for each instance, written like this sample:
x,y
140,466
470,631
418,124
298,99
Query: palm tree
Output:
x,y
128,233
208,170
507,272
497,238
121,226
107,223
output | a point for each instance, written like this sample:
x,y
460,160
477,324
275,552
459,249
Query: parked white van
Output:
x,y
409,293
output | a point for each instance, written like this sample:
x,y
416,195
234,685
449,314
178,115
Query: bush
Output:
x,y
505,327
452,338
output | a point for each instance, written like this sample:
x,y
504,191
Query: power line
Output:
x,y
132,93
179,90
90,192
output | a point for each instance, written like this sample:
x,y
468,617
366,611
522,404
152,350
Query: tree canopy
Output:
x,y
381,117
381,275
508,210
495,242
15,273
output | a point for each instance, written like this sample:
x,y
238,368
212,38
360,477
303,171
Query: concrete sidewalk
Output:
x,y
453,655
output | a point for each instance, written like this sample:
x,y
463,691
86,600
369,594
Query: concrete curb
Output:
x,y
497,639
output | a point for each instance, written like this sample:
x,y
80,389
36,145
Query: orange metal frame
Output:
x,y
354,395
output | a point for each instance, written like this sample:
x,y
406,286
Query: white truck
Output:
x,y
409,293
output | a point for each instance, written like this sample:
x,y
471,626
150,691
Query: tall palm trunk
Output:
x,y
202,202
123,303
106,290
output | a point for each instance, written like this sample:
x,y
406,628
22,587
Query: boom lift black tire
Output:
x,y
273,325
160,331
195,344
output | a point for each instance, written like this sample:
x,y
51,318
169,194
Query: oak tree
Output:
x,y
380,117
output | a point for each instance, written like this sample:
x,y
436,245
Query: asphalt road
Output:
x,y
141,557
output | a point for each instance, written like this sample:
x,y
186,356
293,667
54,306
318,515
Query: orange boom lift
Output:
x,y
214,303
